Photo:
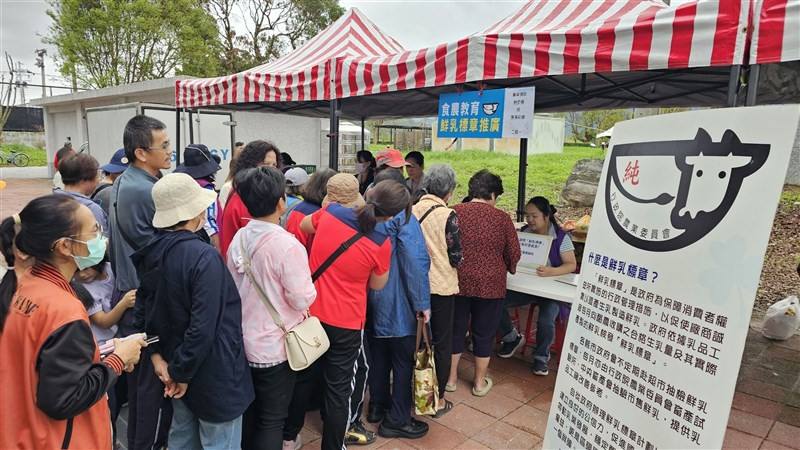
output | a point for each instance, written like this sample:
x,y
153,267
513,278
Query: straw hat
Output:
x,y
178,197
343,189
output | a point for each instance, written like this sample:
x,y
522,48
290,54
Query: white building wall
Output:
x,y
296,135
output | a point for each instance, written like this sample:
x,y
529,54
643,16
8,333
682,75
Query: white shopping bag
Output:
x,y
782,319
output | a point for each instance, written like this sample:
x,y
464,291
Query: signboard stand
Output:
x,y
669,276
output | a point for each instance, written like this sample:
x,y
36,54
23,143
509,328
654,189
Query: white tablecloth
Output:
x,y
527,282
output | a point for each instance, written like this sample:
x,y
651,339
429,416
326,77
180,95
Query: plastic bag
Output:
x,y
782,319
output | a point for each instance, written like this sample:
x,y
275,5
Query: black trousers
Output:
x,y
305,396
392,357
264,419
442,314
149,412
360,386
339,373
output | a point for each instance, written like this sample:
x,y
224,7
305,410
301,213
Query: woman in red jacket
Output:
x,y
235,214
53,381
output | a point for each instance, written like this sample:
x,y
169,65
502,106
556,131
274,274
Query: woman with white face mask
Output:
x,y
366,170
53,380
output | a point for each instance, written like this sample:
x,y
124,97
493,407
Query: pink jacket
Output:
x,y
280,265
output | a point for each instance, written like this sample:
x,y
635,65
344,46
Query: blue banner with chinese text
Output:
x,y
475,114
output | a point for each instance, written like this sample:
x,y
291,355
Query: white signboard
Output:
x,y
518,112
535,249
679,230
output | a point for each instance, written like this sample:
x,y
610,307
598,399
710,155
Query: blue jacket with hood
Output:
x,y
190,301
390,309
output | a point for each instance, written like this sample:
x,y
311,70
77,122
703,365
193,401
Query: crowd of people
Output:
x,y
175,295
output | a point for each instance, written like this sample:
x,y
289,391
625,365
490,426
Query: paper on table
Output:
x,y
570,279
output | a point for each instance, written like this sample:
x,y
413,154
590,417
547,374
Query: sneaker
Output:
x,y
415,429
359,435
507,349
540,368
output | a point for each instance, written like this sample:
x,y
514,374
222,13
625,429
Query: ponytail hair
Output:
x,y
385,199
42,222
9,283
544,206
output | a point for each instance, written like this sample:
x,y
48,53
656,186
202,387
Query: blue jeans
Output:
x,y
545,325
189,432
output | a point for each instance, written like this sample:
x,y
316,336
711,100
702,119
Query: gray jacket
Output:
x,y
131,218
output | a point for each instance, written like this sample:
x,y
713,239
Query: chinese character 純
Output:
x,y
632,173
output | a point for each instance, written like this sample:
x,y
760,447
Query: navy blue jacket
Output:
x,y
390,309
192,304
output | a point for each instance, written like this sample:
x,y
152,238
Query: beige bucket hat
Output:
x,y
178,197
343,189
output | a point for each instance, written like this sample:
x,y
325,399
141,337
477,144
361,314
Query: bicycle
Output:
x,y
16,158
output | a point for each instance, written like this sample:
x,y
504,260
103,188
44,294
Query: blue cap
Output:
x,y
118,163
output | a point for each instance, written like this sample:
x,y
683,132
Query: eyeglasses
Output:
x,y
96,231
165,147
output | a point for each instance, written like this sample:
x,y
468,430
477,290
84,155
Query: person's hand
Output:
x,y
175,390
544,271
427,315
128,350
160,367
129,299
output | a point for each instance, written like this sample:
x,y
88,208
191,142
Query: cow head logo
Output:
x,y
657,206
490,108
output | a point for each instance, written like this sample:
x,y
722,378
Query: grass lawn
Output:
x,y
546,175
38,155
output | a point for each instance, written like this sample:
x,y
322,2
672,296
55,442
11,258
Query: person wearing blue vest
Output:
x,y
540,215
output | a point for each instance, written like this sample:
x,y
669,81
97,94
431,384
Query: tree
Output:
x,y
8,94
271,27
111,42
593,122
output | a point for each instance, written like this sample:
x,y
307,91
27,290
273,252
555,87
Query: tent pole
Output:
x,y
178,137
523,168
333,135
752,85
362,134
733,85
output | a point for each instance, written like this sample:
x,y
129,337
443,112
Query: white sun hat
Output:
x,y
178,197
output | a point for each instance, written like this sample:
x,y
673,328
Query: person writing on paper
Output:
x,y
540,215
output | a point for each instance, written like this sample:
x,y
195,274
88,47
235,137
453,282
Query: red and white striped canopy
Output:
x,y
776,33
542,38
546,37
302,75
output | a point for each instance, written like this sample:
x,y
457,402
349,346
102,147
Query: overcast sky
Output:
x,y
414,23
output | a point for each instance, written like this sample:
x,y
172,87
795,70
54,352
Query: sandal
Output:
x,y
482,392
448,405
450,387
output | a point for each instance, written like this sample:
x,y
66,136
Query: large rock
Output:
x,y
581,186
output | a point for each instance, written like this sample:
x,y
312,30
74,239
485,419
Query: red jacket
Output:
x,y
52,382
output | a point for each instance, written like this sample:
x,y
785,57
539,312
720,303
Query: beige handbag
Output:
x,y
307,341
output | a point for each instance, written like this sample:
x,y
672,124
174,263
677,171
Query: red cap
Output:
x,y
390,157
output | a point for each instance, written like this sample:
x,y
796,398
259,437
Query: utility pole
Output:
x,y
40,53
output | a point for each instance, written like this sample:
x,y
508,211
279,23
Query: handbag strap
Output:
x,y
263,295
422,333
430,210
330,260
